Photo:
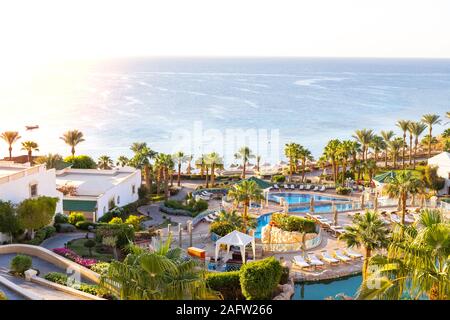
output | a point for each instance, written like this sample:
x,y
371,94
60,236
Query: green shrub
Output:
x,y
157,198
101,268
227,283
116,220
343,190
123,232
293,223
75,217
61,218
21,263
41,235
278,178
284,275
192,206
61,278
200,205
135,221
65,227
221,228
84,225
81,162
259,279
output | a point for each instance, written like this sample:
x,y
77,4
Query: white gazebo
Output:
x,y
236,238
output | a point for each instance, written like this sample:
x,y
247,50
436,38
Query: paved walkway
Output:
x,y
58,240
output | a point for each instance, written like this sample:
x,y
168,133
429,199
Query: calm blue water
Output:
x,y
308,100
293,198
320,291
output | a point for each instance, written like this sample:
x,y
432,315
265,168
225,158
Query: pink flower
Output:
x,y
71,255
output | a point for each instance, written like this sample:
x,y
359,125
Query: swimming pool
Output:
x,y
324,289
295,198
264,220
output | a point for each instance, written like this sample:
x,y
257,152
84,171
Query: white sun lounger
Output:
x,y
353,255
301,262
292,187
275,186
316,188
322,189
208,219
301,187
395,218
341,256
314,261
286,186
308,186
328,258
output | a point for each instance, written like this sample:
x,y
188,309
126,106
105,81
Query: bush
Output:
x,y
293,223
221,228
116,220
20,264
199,206
61,218
259,279
193,207
81,162
41,235
65,227
278,178
122,212
343,190
84,225
135,221
284,275
227,283
101,268
61,278
123,232
75,217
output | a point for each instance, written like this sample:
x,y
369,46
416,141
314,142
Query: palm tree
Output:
x,y
305,155
122,161
430,120
215,161
245,192
200,164
370,166
400,187
189,160
10,137
387,136
163,274
403,125
394,147
105,162
331,152
364,137
30,146
179,159
416,263
258,162
367,231
245,154
235,219
377,144
51,161
417,128
292,152
72,138
345,151
141,160
165,164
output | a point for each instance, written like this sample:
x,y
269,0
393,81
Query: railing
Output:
x,y
23,173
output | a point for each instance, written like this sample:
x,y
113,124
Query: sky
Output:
x,y
34,32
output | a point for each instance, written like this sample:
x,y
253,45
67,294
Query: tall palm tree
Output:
x,y
364,137
387,136
10,137
331,152
105,162
200,164
122,161
394,147
367,231
163,274
245,192
51,161
305,155
416,263
179,158
258,162
245,154
403,125
345,151
417,128
430,120
292,152
30,146
165,164
377,144
400,187
72,138
216,162
141,160
189,167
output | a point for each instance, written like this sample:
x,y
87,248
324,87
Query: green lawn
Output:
x,y
77,245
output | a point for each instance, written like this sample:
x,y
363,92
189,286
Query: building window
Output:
x,y
111,204
118,199
133,189
33,190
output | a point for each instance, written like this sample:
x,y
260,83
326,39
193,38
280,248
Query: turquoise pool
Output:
x,y
295,198
322,290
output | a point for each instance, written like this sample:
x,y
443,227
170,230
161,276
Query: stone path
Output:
x,y
58,240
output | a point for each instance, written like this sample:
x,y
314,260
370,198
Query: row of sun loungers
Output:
x,y
301,187
337,256
211,217
205,195
327,224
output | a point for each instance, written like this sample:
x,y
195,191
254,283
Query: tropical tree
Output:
x,y
292,152
233,218
9,223
105,162
404,126
258,162
30,146
122,161
345,151
416,264
400,186
430,120
367,231
141,160
417,128
377,144
10,137
163,274
51,161
331,152
36,213
387,136
164,164
370,167
305,155
215,162
394,147
245,154
245,192
200,163
189,160
72,138
81,162
364,137
179,158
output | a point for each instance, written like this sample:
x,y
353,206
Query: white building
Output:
x,y
98,191
19,182
442,162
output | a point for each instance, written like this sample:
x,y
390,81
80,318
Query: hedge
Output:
x,y
259,279
293,223
227,283
122,212
61,278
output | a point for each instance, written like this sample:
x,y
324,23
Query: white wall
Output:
x,y
442,171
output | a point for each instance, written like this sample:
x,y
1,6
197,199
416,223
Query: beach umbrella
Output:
x,y
311,205
335,213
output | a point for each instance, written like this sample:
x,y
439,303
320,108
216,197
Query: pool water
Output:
x,y
295,198
322,290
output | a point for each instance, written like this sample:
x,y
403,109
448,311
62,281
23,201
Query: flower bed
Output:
x,y
71,255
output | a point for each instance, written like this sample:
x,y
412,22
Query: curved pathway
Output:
x,y
60,239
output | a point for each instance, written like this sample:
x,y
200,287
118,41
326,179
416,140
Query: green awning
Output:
x,y
79,205
261,183
384,177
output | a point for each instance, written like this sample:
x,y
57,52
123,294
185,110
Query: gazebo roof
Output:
x,y
235,238
261,183
382,178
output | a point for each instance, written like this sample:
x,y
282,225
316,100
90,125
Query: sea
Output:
x,y
200,105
